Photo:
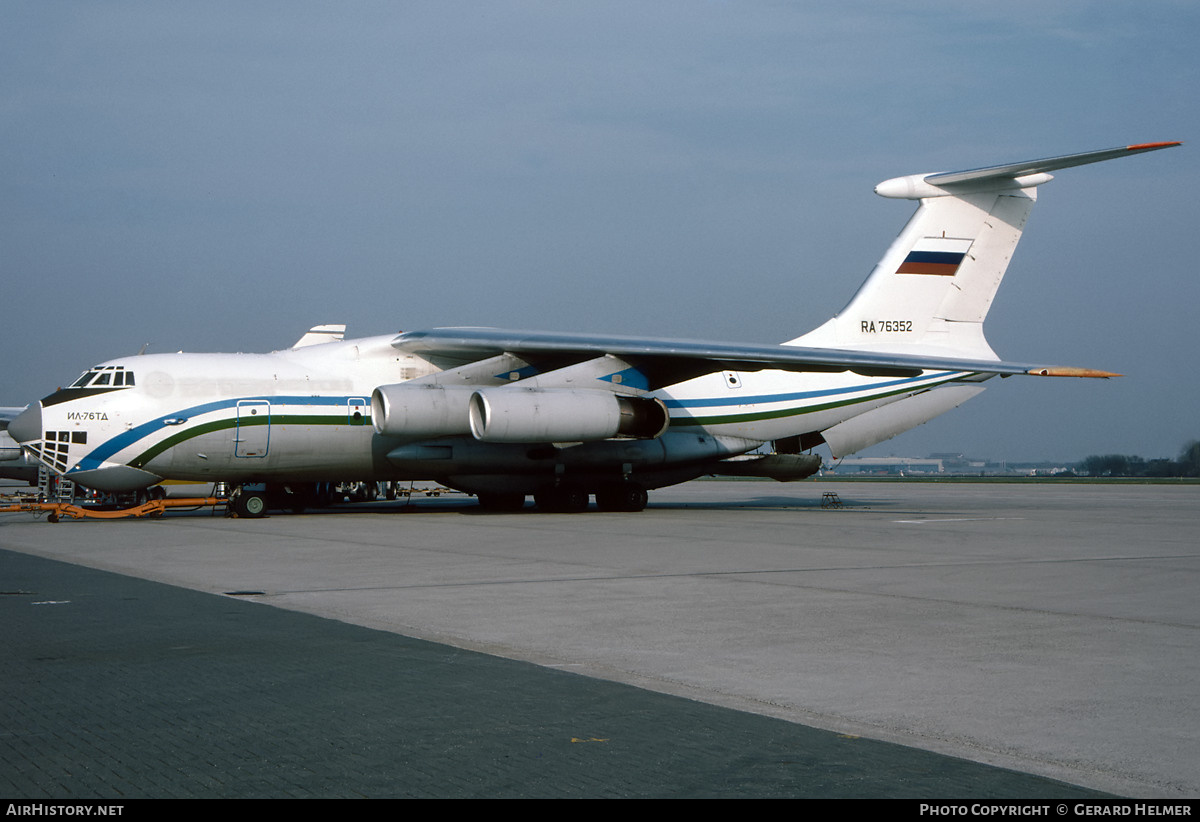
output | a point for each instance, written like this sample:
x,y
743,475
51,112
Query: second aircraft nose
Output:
x,y
27,426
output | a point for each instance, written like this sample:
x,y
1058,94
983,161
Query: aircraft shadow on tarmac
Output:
x,y
468,505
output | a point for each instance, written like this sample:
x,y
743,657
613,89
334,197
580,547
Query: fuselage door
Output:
x,y
356,411
252,435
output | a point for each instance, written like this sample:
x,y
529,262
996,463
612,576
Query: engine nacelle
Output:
x,y
421,410
10,449
512,414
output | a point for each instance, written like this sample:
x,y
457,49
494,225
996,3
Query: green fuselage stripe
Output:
x,y
218,425
728,419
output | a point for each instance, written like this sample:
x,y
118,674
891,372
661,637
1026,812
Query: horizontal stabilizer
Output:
x,y
1047,164
1010,176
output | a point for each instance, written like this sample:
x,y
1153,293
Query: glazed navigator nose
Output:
x,y
27,426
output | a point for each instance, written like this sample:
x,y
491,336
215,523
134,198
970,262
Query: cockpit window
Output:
x,y
105,376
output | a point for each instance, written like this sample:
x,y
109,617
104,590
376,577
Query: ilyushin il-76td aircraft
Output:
x,y
560,416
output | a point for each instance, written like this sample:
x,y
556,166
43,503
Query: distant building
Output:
x,y
887,465
945,464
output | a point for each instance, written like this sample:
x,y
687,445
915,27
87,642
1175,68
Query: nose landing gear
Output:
x,y
247,504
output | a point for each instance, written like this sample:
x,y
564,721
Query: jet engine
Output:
x,y
511,414
421,410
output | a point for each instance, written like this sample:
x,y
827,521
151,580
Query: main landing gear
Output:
x,y
622,496
562,499
253,501
569,498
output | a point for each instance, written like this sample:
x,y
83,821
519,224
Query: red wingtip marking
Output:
x,y
1154,145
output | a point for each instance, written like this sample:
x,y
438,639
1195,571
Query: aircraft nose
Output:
x,y
27,426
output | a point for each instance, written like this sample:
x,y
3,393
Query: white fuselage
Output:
x,y
305,415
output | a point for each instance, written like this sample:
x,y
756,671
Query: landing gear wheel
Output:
x,y
501,502
562,499
294,497
250,505
625,496
323,495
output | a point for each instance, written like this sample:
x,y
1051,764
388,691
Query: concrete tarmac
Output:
x,y
1043,628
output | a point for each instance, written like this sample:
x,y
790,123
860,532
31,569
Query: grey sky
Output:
x,y
221,176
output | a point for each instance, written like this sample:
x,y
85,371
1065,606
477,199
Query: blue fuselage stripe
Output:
x,y
128,438
798,395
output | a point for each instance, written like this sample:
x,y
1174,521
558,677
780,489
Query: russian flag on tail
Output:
x,y
939,256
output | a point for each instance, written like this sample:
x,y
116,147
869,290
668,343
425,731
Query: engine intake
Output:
x,y
421,410
512,414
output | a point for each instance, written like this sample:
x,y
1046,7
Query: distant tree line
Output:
x,y
1120,465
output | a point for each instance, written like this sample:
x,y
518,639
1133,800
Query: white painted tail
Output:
x,y
931,291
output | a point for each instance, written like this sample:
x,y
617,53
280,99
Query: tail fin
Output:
x,y
934,285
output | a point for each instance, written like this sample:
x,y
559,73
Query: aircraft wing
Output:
x,y
666,361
